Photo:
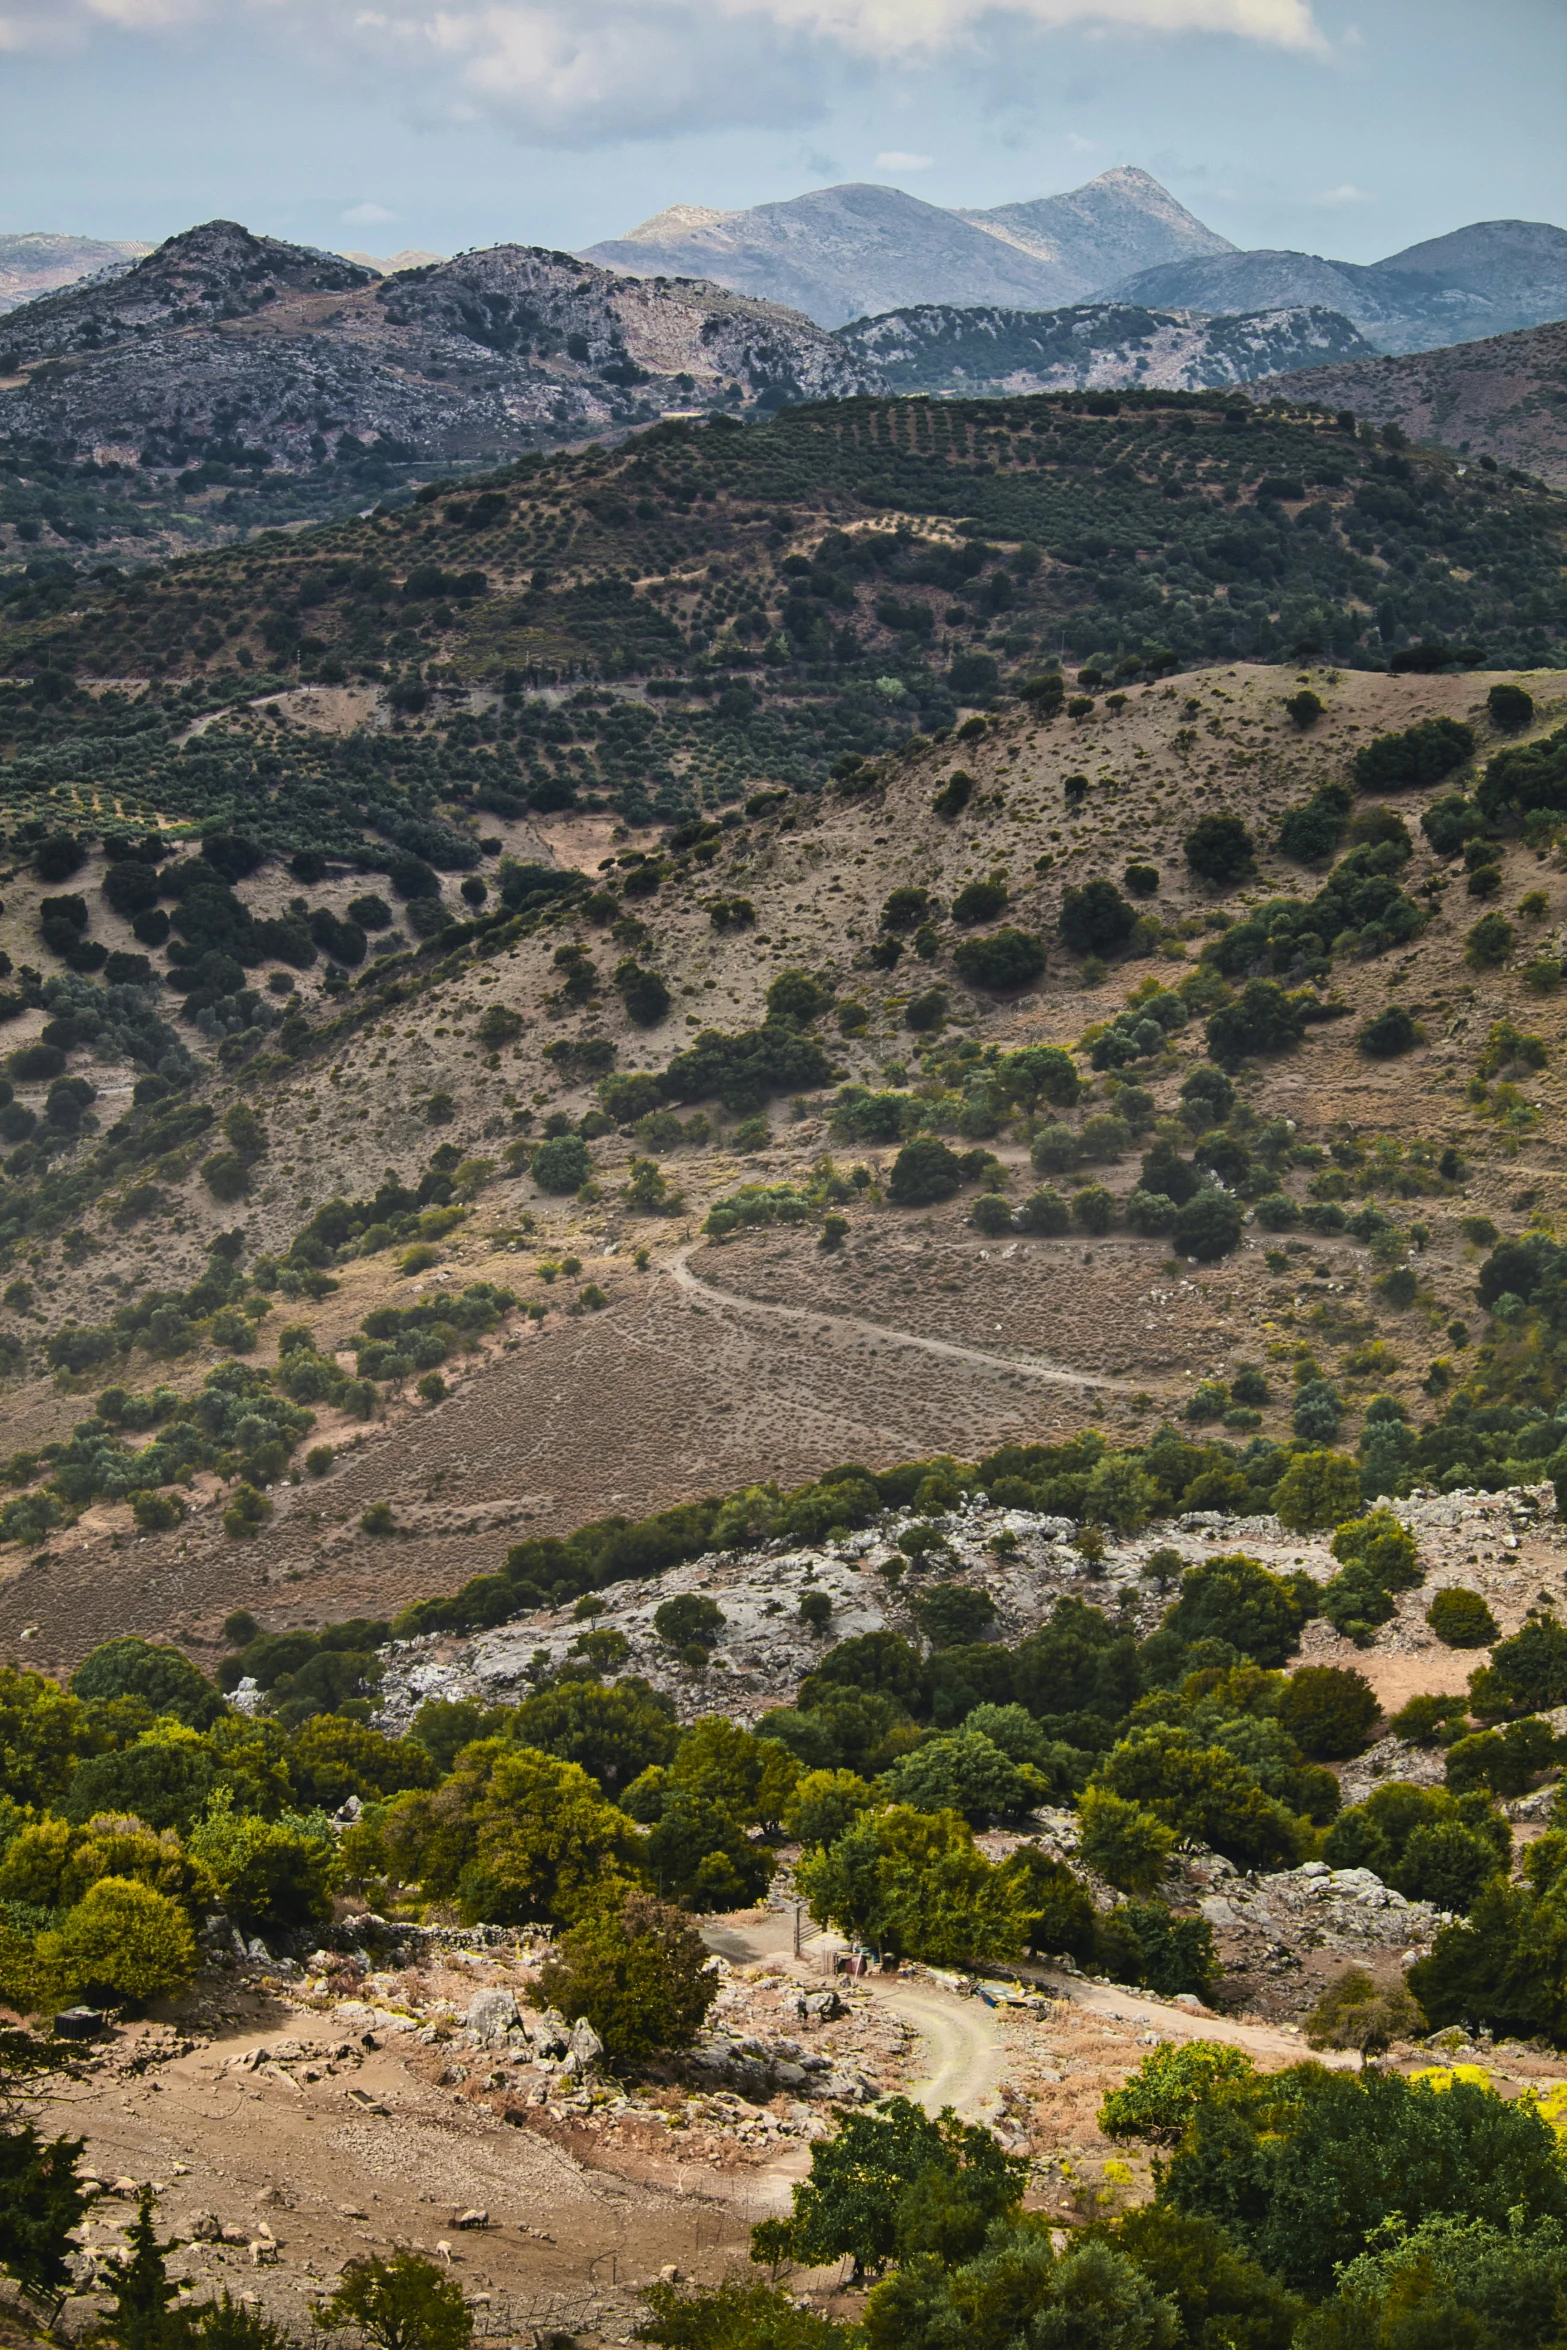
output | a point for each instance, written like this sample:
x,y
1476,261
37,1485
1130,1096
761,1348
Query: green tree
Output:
x,y
952,1614
1317,1490
166,1679
1121,1841
924,1171
863,2198
1305,2167
964,1771
1236,1599
1206,1792
271,1874
737,2314
41,2197
1095,919
561,1164
142,2297
1225,2300
1119,1493
1158,2100
1219,849
1016,2290
1208,1226
1489,943
615,1732
688,1617
513,1836
641,1975
914,1882
824,1803
1329,1710
124,1936
401,2303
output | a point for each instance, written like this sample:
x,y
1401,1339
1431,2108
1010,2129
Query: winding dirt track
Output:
x,y
857,1326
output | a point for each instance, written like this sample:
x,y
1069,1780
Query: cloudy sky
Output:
x,y
1347,127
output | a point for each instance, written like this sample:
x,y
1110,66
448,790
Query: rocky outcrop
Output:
x,y
243,350
1098,345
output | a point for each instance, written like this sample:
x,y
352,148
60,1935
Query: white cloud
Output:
x,y
896,160
368,215
580,70
1345,193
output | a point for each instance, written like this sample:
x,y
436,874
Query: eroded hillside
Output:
x,y
492,1358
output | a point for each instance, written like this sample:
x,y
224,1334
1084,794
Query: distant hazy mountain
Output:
x,y
935,348
850,252
1488,278
37,262
411,257
1120,222
1505,397
222,345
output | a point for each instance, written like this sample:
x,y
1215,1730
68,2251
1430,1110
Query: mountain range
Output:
x,y
227,346
854,251
842,254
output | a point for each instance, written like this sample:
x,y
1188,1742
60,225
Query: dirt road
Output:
x,y
858,1328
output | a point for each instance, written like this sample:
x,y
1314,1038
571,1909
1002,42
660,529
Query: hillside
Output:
x,y
953,546
616,1362
1093,345
38,261
1505,397
415,829
231,382
1487,279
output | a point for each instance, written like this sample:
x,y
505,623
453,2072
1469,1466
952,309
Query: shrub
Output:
x,y
1317,1490
125,1936
1329,1711
1045,1212
1277,1212
1390,1033
640,1975
686,1618
1208,1226
1420,756
247,1512
991,1214
1355,2013
1508,706
225,1175
561,1165
498,1025
1235,1599
1006,961
1489,942
924,1171
796,996
1095,919
1142,880
1304,708
1094,1208
1461,1619
1218,849
979,901
1159,2099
